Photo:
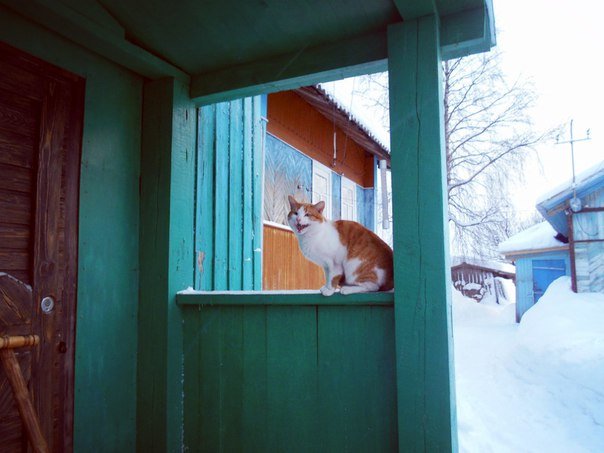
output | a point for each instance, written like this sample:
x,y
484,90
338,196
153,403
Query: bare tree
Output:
x,y
488,137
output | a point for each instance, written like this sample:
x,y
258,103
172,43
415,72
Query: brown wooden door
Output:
x,y
41,113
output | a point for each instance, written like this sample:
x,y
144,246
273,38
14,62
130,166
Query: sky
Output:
x,y
558,45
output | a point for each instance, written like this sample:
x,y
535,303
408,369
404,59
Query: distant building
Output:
x,y
315,150
479,279
569,242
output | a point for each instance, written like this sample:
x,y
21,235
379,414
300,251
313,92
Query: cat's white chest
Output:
x,y
322,245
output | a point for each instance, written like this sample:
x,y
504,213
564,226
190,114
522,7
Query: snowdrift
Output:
x,y
537,386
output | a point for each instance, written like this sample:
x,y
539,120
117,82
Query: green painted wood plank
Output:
x,y
357,384
204,222
231,379
426,408
334,61
248,197
467,32
167,212
282,298
221,210
181,257
410,10
235,219
292,369
103,40
259,134
287,378
206,411
193,382
255,390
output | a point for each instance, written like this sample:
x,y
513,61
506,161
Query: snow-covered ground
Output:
x,y
533,387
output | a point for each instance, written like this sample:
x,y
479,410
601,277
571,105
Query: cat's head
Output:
x,y
303,216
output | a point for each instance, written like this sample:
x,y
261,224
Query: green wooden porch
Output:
x,y
239,371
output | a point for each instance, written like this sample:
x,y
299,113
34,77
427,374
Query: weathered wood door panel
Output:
x,y
41,112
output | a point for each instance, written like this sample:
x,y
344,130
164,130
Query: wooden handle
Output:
x,y
24,404
18,341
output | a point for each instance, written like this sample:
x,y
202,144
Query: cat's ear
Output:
x,y
320,206
293,204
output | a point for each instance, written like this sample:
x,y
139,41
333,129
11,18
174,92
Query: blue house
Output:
x,y
569,242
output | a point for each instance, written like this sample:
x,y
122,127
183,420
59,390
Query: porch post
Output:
x,y
425,385
166,260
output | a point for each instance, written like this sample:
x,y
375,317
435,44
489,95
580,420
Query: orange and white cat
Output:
x,y
352,256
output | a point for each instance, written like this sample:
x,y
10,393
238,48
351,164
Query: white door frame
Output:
x,y
320,171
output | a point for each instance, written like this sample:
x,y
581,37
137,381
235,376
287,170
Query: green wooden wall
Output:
x,y
108,270
293,373
228,218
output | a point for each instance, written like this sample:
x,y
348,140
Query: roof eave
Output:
x,y
519,253
319,99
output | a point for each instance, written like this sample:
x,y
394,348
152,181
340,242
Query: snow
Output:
x,y
472,286
278,225
534,386
582,178
537,237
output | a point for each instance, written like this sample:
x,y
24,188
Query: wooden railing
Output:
x,y
275,371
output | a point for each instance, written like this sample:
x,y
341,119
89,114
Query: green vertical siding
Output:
x,y
204,204
274,374
108,270
221,197
248,198
236,195
259,137
228,230
426,403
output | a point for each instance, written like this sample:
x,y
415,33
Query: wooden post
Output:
x,y
19,387
425,386
166,259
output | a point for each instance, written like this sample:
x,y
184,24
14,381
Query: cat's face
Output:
x,y
303,216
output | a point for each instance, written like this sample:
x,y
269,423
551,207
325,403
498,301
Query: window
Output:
x,y
321,186
349,200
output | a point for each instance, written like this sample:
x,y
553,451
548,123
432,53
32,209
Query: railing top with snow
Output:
x,y
190,297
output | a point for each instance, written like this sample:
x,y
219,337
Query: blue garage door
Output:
x,y
545,272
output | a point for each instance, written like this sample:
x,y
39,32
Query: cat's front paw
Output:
x,y
326,291
345,290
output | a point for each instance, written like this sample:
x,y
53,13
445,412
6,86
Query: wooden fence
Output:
x,y
283,265
289,372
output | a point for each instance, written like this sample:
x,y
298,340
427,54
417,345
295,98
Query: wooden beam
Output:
x,y
412,9
426,408
98,35
467,32
166,259
306,298
307,66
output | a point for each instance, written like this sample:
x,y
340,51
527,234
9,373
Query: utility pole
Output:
x,y
572,141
